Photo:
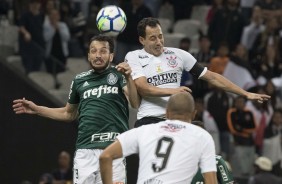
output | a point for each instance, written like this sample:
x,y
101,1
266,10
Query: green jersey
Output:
x,y
224,175
103,107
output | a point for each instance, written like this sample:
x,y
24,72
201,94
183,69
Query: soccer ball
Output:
x,y
111,20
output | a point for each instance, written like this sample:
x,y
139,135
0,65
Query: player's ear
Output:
x,y
141,40
194,114
167,114
111,57
88,56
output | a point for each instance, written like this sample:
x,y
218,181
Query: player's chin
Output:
x,y
158,51
99,67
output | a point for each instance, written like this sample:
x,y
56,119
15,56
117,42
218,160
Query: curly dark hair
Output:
x,y
149,21
104,38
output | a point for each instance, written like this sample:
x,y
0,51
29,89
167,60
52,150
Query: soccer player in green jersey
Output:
x,y
224,175
99,98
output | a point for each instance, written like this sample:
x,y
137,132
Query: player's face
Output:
x,y
153,42
99,55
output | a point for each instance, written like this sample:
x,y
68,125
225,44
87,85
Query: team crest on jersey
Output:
x,y
172,61
112,78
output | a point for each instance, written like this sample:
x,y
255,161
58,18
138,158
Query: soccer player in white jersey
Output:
x,y
170,151
157,70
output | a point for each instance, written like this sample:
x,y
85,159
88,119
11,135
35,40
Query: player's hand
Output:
x,y
183,89
27,36
124,68
260,98
22,106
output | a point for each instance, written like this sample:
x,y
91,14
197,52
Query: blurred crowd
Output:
x,y
62,174
242,41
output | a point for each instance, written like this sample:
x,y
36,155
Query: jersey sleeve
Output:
x,y
207,159
129,142
122,81
198,178
73,95
190,64
188,60
132,59
224,175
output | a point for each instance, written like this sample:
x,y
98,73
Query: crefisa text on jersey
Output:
x,y
104,89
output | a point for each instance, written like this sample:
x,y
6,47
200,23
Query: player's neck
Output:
x,y
102,70
183,118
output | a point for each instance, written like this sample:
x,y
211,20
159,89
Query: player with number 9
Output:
x,y
170,151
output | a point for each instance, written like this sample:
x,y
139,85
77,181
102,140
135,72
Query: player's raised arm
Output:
x,y
225,84
210,178
130,89
67,113
145,89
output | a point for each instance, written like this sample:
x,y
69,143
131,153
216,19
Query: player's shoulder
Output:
x,y
177,125
218,157
177,52
200,134
198,130
113,68
139,53
83,74
171,50
174,51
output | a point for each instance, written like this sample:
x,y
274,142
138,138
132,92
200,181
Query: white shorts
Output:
x,y
86,168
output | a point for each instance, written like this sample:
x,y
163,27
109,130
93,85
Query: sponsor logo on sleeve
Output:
x,y
143,56
71,89
223,173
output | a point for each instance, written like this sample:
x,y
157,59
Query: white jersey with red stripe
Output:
x,y
170,152
164,71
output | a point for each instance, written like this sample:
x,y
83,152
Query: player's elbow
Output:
x,y
134,105
70,116
142,93
105,157
145,92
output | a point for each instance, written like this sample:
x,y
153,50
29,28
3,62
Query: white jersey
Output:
x,y
164,71
170,151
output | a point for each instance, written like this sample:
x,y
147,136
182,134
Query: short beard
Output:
x,y
100,68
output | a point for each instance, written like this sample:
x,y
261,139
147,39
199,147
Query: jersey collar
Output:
x,y
151,55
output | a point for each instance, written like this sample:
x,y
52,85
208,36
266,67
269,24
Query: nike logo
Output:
x,y
145,65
